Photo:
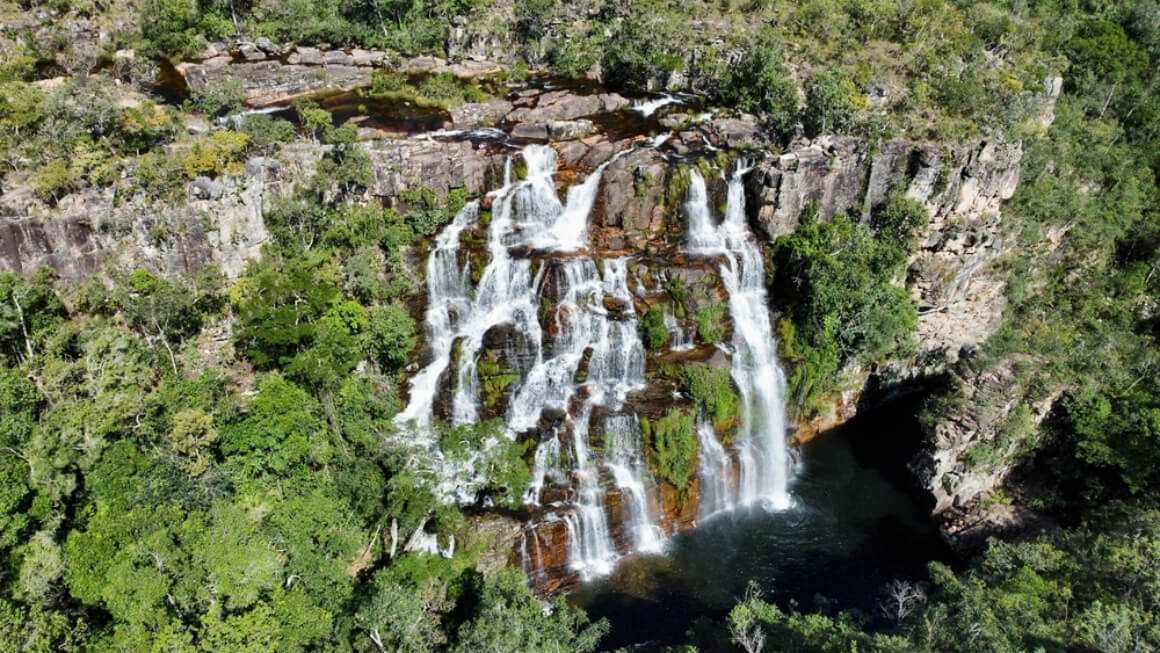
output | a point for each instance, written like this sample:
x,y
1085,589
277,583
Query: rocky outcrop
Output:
x,y
962,186
953,279
86,231
440,165
221,222
272,76
971,445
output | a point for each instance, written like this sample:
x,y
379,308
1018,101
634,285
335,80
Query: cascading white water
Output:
x,y
762,453
647,108
615,368
590,340
447,304
717,491
592,361
681,338
623,456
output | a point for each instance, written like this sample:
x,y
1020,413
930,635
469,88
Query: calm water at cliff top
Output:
x,y
854,527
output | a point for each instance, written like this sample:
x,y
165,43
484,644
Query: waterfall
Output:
x,y
647,108
717,493
681,338
623,456
615,368
570,331
527,214
447,304
761,448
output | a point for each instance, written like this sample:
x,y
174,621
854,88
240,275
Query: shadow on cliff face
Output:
x,y
887,436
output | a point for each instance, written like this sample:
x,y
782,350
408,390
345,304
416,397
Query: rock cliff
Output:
x,y
959,293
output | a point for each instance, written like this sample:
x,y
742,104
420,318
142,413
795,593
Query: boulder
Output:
x,y
306,56
204,188
266,45
530,131
566,105
567,130
250,52
478,114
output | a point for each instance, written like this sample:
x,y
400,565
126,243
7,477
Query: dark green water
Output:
x,y
855,525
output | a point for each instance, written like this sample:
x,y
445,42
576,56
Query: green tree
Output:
x,y
832,103
275,430
506,617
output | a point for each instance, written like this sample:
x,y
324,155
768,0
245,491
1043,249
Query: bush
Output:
x,y
832,103
710,323
168,27
222,154
656,334
759,83
672,446
55,180
225,97
265,130
713,388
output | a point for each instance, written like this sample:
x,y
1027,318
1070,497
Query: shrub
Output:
x,y
55,179
713,388
672,446
168,27
759,83
265,130
222,98
710,323
220,155
655,332
832,103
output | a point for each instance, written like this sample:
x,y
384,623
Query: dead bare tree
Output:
x,y
899,599
744,629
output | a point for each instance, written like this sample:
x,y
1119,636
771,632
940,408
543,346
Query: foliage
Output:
x,y
169,28
832,103
713,388
845,306
265,130
656,334
429,212
218,99
274,431
671,443
760,83
441,90
494,376
710,323
757,625
220,155
506,617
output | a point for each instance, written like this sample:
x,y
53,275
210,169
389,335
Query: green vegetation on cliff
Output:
x,y
671,443
847,305
165,487
186,465
1080,327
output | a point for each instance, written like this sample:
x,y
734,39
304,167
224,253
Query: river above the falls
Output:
x,y
855,525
